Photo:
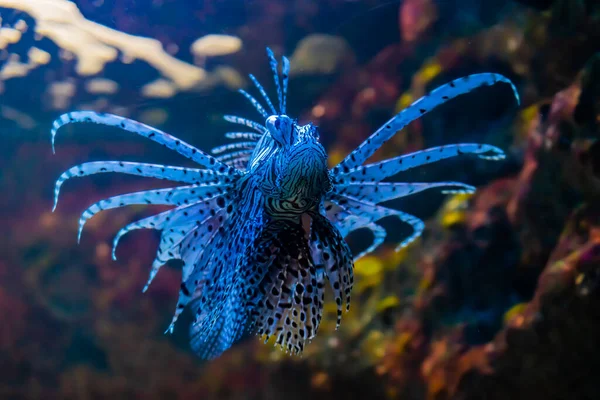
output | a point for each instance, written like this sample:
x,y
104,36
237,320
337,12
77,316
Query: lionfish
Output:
x,y
260,224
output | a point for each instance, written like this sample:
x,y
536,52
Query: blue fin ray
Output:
x,y
246,122
375,213
255,137
255,103
176,174
175,217
171,196
144,130
378,171
379,192
234,146
285,75
335,256
417,109
273,64
263,92
184,242
207,265
379,233
346,223
210,337
229,157
240,163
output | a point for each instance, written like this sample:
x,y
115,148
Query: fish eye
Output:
x,y
281,128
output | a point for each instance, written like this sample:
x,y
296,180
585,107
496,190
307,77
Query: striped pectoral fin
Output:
x,y
188,232
378,171
233,147
240,163
206,344
346,223
207,260
374,213
379,235
285,303
179,196
199,240
215,331
335,256
178,243
417,109
236,155
146,131
295,312
184,230
255,137
379,192
153,222
246,122
217,304
176,174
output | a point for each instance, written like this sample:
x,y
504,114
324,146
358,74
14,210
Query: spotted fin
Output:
x,y
417,109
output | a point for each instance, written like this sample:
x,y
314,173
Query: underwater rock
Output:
x,y
320,54
549,350
416,17
570,28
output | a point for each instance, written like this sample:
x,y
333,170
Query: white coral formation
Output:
x,y
93,46
216,45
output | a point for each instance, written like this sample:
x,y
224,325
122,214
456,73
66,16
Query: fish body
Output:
x,y
260,224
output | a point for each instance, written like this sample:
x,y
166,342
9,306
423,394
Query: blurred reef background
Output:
x,y
499,299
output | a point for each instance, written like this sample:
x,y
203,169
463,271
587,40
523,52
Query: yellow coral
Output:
x,y
369,273
336,155
373,347
429,71
387,303
368,266
454,210
514,311
404,101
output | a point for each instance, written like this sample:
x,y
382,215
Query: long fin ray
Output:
x,y
169,218
374,213
144,130
246,122
263,92
379,192
254,137
176,174
417,109
234,146
255,103
378,171
229,157
178,196
346,223
273,64
335,256
285,77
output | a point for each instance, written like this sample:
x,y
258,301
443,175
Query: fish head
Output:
x,y
300,164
